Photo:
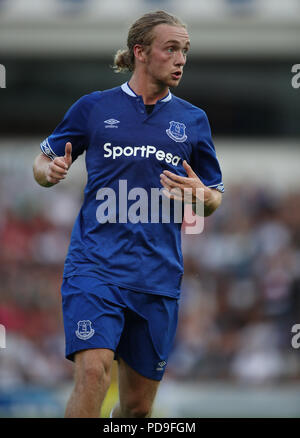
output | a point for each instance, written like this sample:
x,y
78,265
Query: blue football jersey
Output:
x,y
123,143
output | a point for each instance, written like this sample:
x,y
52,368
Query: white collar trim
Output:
x,y
167,98
125,87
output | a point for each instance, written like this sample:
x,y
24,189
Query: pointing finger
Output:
x,y
175,177
188,169
170,182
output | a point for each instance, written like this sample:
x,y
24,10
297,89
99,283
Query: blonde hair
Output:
x,y
141,33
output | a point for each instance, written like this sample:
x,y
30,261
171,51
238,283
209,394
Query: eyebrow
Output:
x,y
177,42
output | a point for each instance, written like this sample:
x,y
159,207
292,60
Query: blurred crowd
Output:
x,y
240,292
30,306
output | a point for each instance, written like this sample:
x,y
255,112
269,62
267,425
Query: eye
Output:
x,y
170,49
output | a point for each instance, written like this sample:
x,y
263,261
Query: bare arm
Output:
x,y
212,202
49,172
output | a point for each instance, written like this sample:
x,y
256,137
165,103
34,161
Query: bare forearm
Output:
x,y
213,203
40,170
213,199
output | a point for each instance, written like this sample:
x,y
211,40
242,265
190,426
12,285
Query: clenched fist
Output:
x,y
58,168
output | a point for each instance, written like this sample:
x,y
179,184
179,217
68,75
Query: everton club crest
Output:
x,y
84,330
176,131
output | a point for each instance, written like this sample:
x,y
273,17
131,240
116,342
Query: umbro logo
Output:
x,y
160,365
111,123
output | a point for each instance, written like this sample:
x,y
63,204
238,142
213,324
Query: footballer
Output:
x,y
122,279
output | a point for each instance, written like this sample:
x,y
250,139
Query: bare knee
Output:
x,y
92,370
93,375
136,408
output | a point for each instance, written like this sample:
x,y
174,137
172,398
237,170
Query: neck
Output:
x,y
150,92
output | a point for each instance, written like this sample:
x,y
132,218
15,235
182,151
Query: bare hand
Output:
x,y
58,168
175,185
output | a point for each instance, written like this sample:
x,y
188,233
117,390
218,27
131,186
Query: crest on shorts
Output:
x,y
176,131
84,330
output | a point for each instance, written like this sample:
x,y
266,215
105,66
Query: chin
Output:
x,y
174,83
171,82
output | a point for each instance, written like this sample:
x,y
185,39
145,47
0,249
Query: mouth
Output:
x,y
177,74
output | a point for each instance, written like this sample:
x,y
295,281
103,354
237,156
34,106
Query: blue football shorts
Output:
x,y
139,327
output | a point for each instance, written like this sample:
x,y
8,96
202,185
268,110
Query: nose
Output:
x,y
180,58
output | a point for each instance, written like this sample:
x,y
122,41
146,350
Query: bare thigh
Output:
x,y
136,392
92,379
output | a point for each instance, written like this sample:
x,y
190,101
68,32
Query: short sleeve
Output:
x,y
204,160
73,128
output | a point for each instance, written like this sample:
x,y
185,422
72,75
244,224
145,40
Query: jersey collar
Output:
x,y
126,88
